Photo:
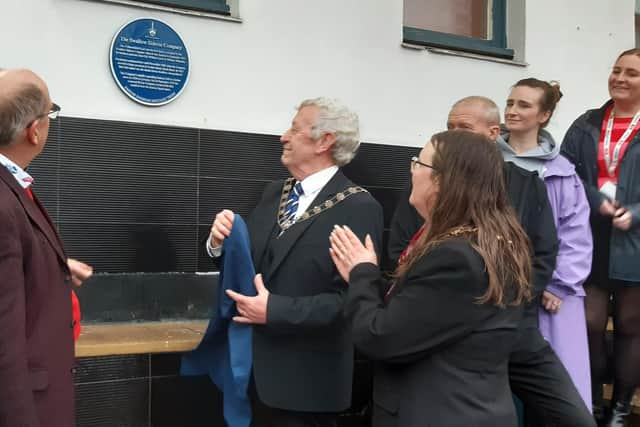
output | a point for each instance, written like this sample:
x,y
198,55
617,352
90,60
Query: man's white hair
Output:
x,y
336,118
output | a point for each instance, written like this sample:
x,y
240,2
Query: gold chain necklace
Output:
x,y
284,223
459,231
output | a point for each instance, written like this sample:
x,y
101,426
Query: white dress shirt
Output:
x,y
24,179
311,186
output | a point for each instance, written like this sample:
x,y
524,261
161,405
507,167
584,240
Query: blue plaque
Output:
x,y
149,61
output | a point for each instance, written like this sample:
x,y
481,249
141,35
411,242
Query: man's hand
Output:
x,y
253,310
221,228
550,302
79,271
347,250
622,219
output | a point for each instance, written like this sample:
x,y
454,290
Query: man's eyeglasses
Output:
x,y
52,114
416,163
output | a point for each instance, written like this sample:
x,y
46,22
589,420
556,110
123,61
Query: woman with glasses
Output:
x,y
529,108
604,145
442,332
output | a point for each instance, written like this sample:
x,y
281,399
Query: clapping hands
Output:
x,y
347,250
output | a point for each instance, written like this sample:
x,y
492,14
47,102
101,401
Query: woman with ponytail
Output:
x,y
525,142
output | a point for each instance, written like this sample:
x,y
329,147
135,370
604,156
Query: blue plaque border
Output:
x,y
120,84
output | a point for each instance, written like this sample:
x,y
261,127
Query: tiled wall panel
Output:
x,y
132,198
135,197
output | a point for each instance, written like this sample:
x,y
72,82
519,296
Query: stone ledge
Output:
x,y
139,337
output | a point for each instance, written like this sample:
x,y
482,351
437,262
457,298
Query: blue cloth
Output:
x,y
225,352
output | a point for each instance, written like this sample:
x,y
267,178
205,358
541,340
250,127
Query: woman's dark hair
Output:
x,y
551,94
468,169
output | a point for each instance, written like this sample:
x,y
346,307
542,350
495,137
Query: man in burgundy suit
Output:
x,y
36,325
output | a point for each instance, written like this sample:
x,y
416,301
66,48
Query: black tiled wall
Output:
x,y
146,390
143,390
133,197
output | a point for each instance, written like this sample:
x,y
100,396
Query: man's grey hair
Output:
x,y
18,107
336,118
490,108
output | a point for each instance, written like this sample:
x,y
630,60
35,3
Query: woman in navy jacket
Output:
x,y
604,146
443,332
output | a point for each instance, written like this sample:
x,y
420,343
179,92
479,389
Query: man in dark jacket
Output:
x,y
536,374
36,327
302,347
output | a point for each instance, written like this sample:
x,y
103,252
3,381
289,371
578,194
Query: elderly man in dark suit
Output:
x,y
303,355
36,326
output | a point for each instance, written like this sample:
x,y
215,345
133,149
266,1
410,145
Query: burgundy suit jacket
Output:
x,y
36,331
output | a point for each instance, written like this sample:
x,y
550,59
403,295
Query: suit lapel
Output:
x,y
287,240
266,220
36,213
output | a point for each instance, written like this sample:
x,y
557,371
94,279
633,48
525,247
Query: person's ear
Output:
x,y
33,132
544,117
326,142
494,132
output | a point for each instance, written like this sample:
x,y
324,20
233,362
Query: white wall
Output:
x,y
249,76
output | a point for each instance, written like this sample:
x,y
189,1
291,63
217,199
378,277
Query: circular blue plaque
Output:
x,y
149,61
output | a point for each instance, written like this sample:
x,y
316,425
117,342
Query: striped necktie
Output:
x,y
292,203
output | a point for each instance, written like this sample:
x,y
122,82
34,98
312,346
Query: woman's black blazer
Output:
x,y
441,356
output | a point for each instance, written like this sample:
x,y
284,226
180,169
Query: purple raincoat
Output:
x,y
566,330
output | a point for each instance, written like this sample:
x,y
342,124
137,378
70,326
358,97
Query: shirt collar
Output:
x,y
24,179
315,182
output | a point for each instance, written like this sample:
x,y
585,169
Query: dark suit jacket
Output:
x,y
536,374
443,358
303,356
529,199
36,331
615,252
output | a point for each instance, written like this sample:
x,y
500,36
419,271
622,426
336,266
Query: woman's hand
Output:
x,y
622,219
347,251
550,302
608,208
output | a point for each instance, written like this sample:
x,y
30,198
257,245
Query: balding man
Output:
x,y
36,325
535,372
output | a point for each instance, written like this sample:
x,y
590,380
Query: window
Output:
x,y
476,26
637,23
215,6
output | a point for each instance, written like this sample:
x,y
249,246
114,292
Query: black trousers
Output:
x,y
538,378
274,417
266,416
